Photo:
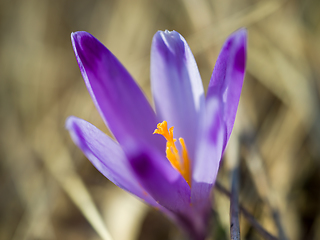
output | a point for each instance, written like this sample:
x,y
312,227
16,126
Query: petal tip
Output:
x,y
239,36
240,33
241,51
69,122
87,48
168,37
79,35
169,43
72,126
238,42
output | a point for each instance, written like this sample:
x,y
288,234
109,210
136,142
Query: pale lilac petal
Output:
x,y
208,155
227,77
107,156
115,94
159,178
176,85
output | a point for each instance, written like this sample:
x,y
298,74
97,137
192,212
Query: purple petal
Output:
x,y
106,155
159,178
115,94
227,77
208,156
176,85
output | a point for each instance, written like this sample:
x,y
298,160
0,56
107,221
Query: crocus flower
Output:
x,y
175,177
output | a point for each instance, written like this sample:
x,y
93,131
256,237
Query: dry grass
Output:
x,y
49,190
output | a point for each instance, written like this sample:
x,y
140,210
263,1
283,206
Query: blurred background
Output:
x,y
49,190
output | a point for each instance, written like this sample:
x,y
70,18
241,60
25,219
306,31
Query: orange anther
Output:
x,y
172,153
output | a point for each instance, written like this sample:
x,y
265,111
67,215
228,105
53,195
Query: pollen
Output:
x,y
180,162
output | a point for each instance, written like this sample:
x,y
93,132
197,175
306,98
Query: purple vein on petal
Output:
x,y
119,100
106,155
159,178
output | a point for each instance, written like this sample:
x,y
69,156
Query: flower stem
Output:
x,y
264,233
234,205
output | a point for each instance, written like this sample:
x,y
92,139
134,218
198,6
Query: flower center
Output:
x,y
179,162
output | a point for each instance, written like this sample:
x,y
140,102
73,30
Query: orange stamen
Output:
x,y
172,153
